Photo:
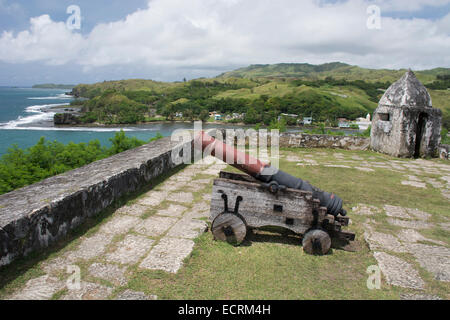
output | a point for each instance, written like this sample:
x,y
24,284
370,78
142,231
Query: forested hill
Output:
x,y
336,70
261,92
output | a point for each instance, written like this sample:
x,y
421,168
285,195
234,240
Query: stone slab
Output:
x,y
89,291
109,272
337,166
155,226
181,197
188,229
168,255
57,264
396,212
418,296
203,181
383,241
136,210
418,214
435,259
172,186
399,272
42,288
412,236
92,247
365,169
135,296
172,211
207,197
445,226
153,198
414,184
130,250
409,224
120,225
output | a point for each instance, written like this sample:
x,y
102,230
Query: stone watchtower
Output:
x,y
405,124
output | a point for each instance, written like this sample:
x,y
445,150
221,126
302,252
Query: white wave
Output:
x,y
40,114
61,96
41,108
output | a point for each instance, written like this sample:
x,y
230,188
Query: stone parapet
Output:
x,y
36,216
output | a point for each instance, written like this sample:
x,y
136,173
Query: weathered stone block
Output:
x,y
399,272
130,250
168,255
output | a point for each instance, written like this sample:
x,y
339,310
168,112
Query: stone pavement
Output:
x,y
433,257
155,232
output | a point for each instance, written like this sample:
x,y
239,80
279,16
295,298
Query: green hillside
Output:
x,y
336,70
262,92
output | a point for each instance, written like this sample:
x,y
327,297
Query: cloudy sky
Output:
x,y
175,39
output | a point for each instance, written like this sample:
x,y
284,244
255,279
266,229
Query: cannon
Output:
x,y
266,196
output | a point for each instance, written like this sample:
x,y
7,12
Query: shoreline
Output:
x,y
76,110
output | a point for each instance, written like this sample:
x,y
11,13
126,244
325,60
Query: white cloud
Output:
x,y
10,9
200,34
409,5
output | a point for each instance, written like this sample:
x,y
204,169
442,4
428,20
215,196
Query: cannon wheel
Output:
x,y
230,228
316,242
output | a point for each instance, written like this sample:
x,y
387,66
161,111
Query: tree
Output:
x,y
168,111
251,117
278,125
204,115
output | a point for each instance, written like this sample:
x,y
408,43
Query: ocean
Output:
x,y
26,116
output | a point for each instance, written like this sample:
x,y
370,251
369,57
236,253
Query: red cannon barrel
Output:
x,y
265,172
231,155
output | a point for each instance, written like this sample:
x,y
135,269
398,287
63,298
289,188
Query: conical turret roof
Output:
x,y
408,91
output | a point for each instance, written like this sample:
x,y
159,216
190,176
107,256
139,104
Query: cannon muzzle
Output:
x,y
264,172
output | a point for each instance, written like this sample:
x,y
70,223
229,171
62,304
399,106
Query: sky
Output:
x,y
169,40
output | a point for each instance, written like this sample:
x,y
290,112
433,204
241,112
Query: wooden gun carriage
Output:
x,y
240,202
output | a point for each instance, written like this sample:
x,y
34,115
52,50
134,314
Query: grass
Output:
x,y
265,267
271,263
441,99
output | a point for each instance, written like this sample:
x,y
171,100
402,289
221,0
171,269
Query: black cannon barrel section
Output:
x,y
329,200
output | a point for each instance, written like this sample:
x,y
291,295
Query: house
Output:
x,y
344,124
307,120
218,117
